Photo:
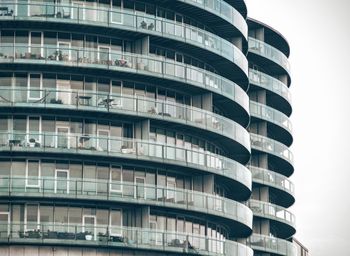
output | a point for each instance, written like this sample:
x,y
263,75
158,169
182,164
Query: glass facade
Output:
x,y
124,131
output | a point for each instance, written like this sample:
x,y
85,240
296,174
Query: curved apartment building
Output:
x,y
132,128
123,128
271,136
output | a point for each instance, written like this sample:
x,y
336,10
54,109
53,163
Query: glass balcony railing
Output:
x,y
270,52
272,245
127,20
271,146
118,236
271,115
264,176
272,84
271,211
125,147
116,103
225,11
92,189
128,62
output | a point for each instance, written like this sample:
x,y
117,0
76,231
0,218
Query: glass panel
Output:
x,y
62,137
62,183
33,173
116,222
32,217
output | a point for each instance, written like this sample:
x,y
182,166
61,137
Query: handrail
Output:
x,y
129,62
119,236
272,211
269,52
269,145
126,147
271,244
125,19
121,191
265,176
271,115
114,103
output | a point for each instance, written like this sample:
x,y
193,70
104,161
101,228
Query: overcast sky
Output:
x,y
318,32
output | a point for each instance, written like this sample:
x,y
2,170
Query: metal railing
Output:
x,y
157,66
271,146
271,211
269,52
270,83
225,11
114,103
271,115
121,191
271,244
125,19
125,147
271,178
118,236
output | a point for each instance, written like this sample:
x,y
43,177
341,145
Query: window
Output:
x,y
33,131
116,222
32,217
33,173
34,86
115,179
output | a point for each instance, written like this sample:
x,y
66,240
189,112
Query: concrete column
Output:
x,y
142,45
260,34
237,41
145,212
207,101
261,96
208,183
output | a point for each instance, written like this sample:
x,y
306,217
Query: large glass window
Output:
x,y
116,222
32,218
33,173
34,87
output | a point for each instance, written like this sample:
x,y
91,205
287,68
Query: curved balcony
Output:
x,y
98,146
225,11
272,245
273,147
273,116
155,66
130,105
267,51
276,213
275,180
272,84
127,20
126,192
120,237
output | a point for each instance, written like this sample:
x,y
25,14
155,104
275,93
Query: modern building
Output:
x,y
271,162
301,249
124,130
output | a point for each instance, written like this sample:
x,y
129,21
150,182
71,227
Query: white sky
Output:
x,y
318,32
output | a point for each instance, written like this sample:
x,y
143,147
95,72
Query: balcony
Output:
x,y
267,51
273,85
273,116
144,65
275,180
133,149
272,245
279,150
129,193
119,237
127,20
275,213
223,10
126,104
